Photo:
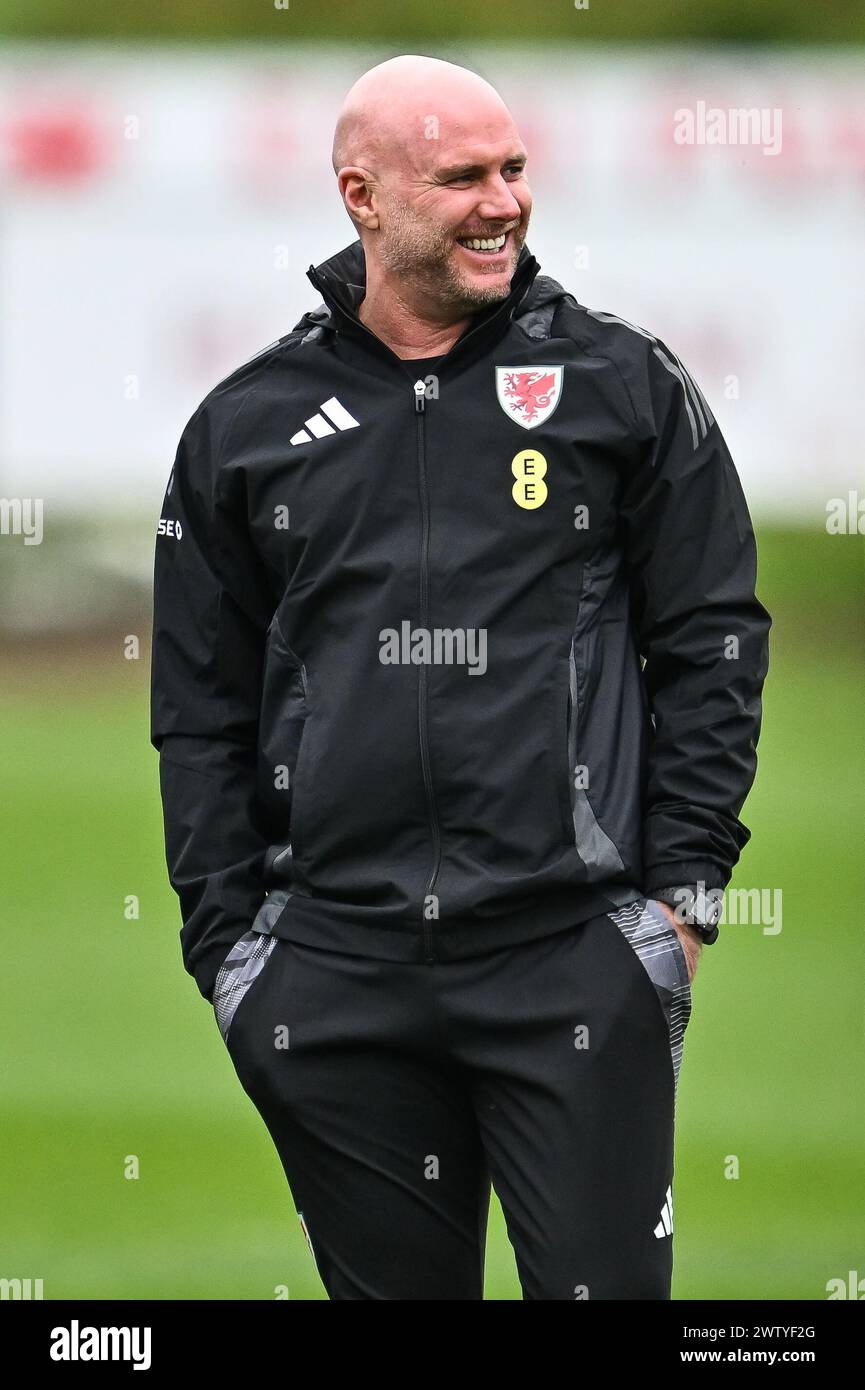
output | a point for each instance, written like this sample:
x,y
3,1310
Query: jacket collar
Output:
x,y
341,282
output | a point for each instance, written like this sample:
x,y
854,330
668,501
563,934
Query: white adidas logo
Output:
x,y
331,417
665,1225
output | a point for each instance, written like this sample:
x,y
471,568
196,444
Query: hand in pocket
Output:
x,y
689,938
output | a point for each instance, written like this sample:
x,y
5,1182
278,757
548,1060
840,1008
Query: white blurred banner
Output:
x,y
159,209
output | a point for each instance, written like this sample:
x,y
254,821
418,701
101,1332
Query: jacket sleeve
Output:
x,y
212,610
701,630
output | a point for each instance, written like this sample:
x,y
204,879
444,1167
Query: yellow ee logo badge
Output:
x,y
530,490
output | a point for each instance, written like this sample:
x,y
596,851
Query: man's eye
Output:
x,y
515,170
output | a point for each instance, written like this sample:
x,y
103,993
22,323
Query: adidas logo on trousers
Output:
x,y
665,1225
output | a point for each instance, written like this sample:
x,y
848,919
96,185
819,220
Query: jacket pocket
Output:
x,y
301,756
242,967
282,743
298,794
598,851
563,744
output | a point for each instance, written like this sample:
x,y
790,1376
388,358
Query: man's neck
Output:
x,y
407,334
408,329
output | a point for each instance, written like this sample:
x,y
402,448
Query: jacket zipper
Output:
x,y
423,731
419,389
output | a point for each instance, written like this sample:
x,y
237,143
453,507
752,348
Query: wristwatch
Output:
x,y
695,906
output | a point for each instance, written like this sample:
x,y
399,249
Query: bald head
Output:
x,y
430,168
402,101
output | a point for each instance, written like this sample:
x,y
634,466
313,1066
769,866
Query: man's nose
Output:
x,y
498,203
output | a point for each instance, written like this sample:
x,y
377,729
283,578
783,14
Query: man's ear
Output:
x,y
357,190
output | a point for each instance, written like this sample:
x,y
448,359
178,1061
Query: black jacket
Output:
x,y
441,667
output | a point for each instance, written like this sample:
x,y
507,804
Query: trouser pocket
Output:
x,y
238,973
655,942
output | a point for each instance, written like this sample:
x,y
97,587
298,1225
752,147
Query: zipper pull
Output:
x,y
419,397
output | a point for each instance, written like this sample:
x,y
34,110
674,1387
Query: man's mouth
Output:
x,y
484,246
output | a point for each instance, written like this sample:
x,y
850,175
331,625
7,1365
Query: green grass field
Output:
x,y
109,1050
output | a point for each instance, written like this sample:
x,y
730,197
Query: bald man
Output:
x,y
457,666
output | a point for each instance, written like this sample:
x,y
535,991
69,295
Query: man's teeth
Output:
x,y
483,243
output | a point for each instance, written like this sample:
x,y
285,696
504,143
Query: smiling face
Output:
x,y
453,227
438,185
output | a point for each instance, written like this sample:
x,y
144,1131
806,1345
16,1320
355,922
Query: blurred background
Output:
x,y
165,183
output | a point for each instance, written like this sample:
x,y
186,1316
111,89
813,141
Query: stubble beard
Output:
x,y
422,254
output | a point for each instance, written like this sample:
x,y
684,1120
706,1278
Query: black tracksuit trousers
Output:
x,y
394,1092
